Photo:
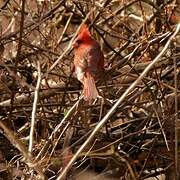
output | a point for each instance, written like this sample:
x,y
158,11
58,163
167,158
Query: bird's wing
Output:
x,y
95,59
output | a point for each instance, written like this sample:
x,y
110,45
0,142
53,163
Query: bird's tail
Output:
x,y
89,89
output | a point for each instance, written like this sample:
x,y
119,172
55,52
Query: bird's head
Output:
x,y
83,37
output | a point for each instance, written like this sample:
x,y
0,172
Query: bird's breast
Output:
x,y
79,73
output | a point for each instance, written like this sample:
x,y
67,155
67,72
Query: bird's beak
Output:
x,y
75,45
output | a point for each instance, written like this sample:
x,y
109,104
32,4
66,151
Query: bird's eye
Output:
x,y
79,41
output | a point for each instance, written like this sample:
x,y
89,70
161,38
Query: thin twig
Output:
x,y
18,52
161,127
65,28
33,116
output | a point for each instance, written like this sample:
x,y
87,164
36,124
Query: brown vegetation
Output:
x,y
47,130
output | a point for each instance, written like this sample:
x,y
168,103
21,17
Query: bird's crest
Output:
x,y
84,31
83,37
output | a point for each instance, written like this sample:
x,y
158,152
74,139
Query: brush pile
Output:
x,y
44,120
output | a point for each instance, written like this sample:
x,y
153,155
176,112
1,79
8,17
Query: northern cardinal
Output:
x,y
88,62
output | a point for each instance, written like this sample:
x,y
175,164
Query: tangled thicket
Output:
x,y
43,119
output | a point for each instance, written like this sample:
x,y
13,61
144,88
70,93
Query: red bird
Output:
x,y
88,62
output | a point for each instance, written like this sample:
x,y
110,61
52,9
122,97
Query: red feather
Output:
x,y
88,62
